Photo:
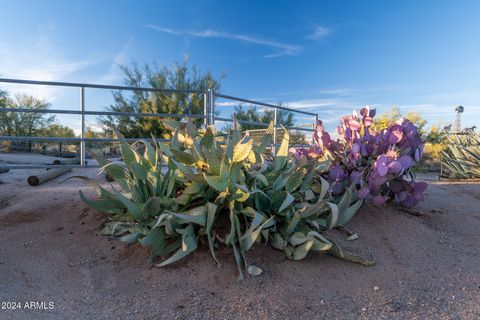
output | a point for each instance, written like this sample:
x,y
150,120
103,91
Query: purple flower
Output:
x,y
314,152
356,148
364,111
401,196
418,188
336,174
406,161
355,177
367,121
298,153
410,194
396,185
395,166
395,133
376,162
381,165
379,200
417,155
348,134
409,201
354,124
363,193
337,188
340,130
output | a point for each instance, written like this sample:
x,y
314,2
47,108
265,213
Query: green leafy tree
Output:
x,y
180,76
251,114
435,137
23,123
91,132
58,130
3,98
98,146
418,121
388,118
436,134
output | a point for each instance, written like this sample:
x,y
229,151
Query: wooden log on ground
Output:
x,y
67,161
4,169
47,176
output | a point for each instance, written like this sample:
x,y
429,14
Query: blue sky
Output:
x,y
322,56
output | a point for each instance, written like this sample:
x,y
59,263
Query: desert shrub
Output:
x,y
436,140
433,153
226,190
379,163
461,157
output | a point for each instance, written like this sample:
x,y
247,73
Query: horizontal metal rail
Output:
x,y
263,124
96,86
209,115
300,129
253,123
105,113
263,104
223,119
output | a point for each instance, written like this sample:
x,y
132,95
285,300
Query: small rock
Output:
x,y
364,309
375,288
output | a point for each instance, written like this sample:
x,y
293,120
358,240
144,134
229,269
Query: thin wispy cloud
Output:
x,y
319,33
321,103
343,91
285,48
114,74
227,103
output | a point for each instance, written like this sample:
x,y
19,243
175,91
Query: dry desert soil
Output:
x,y
428,265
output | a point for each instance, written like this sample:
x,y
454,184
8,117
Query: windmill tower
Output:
x,y
457,125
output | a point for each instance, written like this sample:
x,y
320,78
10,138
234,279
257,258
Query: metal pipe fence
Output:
x,y
209,115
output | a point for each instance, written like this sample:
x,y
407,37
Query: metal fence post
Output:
x,y
274,146
212,107
82,133
234,121
205,109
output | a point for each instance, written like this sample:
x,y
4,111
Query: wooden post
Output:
x,y
47,176
67,161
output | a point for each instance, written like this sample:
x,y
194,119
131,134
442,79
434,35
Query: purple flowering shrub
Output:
x,y
375,164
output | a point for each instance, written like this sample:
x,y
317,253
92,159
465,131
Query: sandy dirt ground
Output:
x,y
428,265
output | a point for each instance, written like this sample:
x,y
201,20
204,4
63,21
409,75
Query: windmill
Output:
x,y
457,126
